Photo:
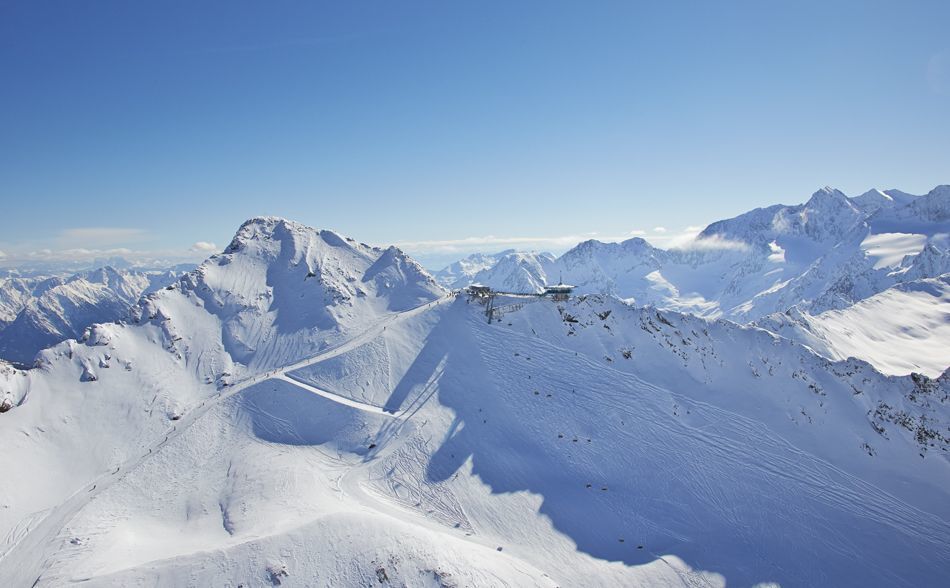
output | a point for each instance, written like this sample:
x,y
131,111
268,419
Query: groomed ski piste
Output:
x,y
585,442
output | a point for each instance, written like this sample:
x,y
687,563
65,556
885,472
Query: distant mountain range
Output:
x,y
827,254
37,312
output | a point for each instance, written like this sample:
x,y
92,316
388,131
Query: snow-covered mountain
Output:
x,y
518,271
306,410
37,312
827,253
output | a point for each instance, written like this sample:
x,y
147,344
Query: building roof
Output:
x,y
559,288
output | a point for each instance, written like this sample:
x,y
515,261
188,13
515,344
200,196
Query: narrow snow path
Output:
x,y
35,544
337,398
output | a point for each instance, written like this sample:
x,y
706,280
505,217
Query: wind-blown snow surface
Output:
x,y
306,410
38,312
903,329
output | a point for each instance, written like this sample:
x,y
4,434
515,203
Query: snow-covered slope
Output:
x,y
901,330
304,410
36,313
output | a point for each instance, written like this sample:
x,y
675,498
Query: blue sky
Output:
x,y
453,126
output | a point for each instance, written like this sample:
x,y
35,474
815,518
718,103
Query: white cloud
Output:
x,y
778,254
77,254
88,246
204,247
82,252
82,257
638,232
688,242
2,254
73,254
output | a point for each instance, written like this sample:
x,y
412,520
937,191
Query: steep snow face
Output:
x,y
41,312
901,330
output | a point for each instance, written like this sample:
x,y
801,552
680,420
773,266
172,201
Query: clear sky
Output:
x,y
153,126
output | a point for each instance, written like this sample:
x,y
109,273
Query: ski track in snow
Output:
x,y
24,544
725,435
779,459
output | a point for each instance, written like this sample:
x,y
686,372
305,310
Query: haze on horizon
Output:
x,y
155,130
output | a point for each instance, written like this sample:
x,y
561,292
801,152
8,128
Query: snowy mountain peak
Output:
x,y
826,193
829,199
874,193
282,290
592,247
873,200
635,243
828,215
264,229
